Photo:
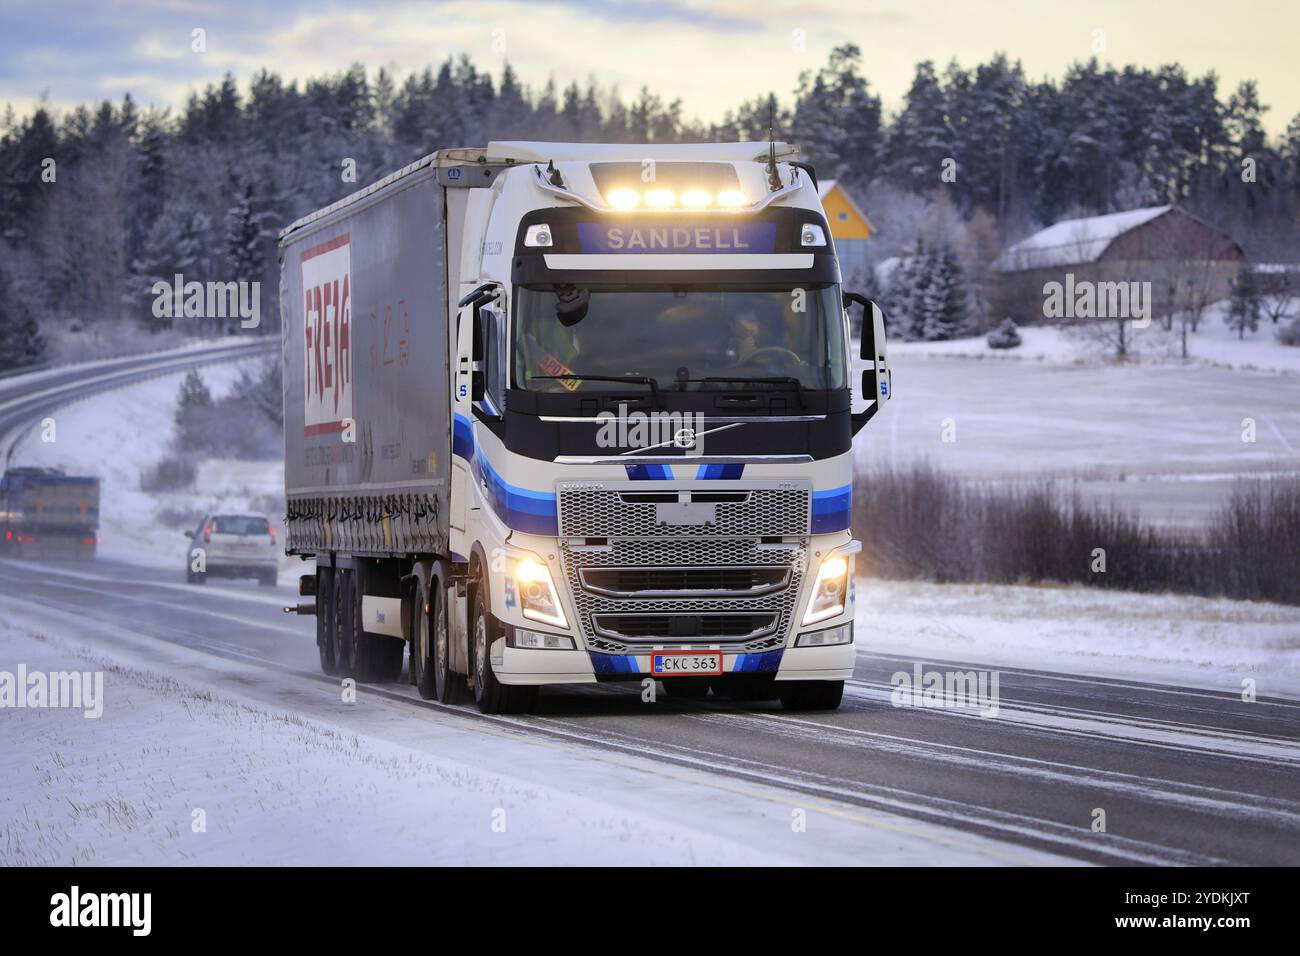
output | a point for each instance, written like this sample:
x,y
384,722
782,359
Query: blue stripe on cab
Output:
x,y
831,509
520,508
462,438
649,472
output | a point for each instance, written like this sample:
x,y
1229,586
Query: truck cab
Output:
x,y
655,403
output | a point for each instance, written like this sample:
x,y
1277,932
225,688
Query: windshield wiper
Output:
x,y
631,377
757,379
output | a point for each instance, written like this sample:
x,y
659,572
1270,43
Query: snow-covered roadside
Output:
x,y
1210,643
373,782
119,436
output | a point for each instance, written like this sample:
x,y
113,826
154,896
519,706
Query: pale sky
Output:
x,y
713,54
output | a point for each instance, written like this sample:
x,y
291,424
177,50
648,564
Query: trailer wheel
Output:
x,y
341,615
325,620
492,696
361,660
383,656
811,694
422,643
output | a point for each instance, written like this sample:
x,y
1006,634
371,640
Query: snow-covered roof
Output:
x,y
1074,241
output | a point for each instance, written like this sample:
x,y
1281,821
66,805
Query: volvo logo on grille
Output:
x,y
684,438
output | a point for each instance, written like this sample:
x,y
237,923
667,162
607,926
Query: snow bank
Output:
x,y
1170,638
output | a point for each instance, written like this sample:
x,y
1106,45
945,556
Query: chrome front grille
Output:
x,y
640,512
640,578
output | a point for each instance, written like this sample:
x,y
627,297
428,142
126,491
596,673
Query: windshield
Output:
x,y
240,524
678,337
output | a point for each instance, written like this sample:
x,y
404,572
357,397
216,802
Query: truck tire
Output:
x,y
748,687
341,615
451,687
383,655
689,688
811,694
325,621
360,659
491,695
422,642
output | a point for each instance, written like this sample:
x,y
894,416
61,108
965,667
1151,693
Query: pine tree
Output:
x,y
943,302
1245,305
21,343
194,392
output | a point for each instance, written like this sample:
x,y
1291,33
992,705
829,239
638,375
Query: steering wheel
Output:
x,y
775,351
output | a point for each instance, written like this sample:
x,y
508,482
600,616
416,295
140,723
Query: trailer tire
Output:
x,y
451,687
360,656
341,615
811,694
325,621
492,696
422,642
383,655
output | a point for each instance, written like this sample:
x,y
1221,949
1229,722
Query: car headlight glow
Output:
x,y
537,594
830,590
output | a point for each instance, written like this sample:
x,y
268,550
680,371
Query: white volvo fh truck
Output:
x,y
561,413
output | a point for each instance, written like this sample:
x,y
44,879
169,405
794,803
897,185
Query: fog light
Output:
x,y
539,235
843,634
811,235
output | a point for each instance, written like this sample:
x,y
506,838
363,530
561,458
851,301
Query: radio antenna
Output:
x,y
773,177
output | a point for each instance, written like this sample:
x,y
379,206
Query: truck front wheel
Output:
x,y
490,694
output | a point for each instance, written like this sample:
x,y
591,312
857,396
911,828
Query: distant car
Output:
x,y
234,546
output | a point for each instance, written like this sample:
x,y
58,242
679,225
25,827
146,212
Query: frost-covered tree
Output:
x,y
1244,307
943,300
21,343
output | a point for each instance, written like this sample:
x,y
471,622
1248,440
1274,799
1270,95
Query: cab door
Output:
x,y
462,428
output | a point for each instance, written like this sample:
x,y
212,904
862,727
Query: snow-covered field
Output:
x,y
1160,436
1168,638
1213,344
119,436
281,772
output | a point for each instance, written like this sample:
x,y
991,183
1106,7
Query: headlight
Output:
x,y
843,634
537,593
829,590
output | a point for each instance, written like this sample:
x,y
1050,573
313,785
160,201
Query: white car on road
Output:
x,y
233,546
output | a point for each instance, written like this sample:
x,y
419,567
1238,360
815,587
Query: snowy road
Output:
x,y
1183,775
25,398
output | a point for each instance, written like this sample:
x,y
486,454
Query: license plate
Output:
x,y
685,663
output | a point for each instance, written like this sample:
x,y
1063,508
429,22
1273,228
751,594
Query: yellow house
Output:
x,y
850,228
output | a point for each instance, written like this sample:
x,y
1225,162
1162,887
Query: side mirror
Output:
x,y
876,378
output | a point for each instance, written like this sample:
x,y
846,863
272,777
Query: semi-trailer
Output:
x,y
564,413
47,513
